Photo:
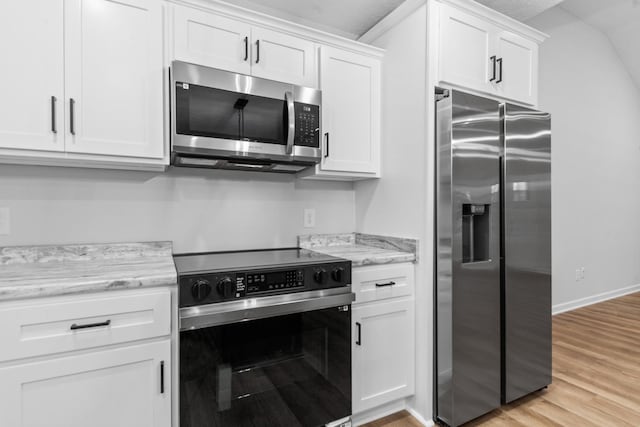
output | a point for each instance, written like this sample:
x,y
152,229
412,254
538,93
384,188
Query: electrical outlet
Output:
x,y
578,271
309,218
581,273
5,221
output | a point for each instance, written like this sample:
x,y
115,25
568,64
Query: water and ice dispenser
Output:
x,y
476,228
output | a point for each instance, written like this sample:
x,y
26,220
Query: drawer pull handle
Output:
x,y
359,339
381,285
90,325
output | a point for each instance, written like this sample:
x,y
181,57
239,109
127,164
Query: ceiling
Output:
x,y
619,20
347,18
521,10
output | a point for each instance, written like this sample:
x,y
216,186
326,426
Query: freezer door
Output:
x,y
526,250
468,258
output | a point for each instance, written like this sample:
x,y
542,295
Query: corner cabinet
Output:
x,y
102,360
351,102
483,51
383,344
86,85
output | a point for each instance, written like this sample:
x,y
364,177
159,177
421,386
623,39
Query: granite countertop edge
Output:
x,y
363,249
30,272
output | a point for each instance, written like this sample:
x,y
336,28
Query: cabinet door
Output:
x,y
118,387
207,39
519,76
114,77
350,85
383,353
277,56
32,73
466,44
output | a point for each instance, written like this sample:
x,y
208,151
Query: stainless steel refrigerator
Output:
x,y
493,255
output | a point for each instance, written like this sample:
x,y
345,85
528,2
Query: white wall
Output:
x,y
595,109
398,204
198,210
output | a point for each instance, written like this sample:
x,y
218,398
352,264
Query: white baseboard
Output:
x,y
583,302
420,418
379,412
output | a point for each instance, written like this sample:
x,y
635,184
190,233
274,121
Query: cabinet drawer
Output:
x,y
73,323
382,282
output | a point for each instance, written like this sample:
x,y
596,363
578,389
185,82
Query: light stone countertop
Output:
x,y
43,271
362,249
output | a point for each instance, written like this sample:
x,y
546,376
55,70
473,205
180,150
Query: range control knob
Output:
x,y
226,287
338,274
320,276
200,289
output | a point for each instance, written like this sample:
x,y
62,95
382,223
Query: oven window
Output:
x,y
286,371
216,113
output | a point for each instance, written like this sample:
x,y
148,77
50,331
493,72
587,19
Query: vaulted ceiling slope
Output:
x,y
347,18
521,10
620,21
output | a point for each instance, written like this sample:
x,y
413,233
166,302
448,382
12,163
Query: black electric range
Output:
x,y
265,339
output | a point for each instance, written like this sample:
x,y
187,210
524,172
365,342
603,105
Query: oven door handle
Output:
x,y
260,308
291,128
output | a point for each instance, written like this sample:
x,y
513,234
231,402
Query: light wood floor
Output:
x,y
596,374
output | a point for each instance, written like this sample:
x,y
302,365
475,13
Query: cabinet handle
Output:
x,y
500,79
381,285
326,152
72,108
359,340
246,48
257,51
75,326
162,377
53,114
493,62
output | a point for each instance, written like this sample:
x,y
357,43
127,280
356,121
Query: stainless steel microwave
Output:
x,y
233,121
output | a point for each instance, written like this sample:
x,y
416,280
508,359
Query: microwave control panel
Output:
x,y
307,125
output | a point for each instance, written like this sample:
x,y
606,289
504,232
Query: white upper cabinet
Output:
x,y
32,104
114,77
519,73
466,43
350,84
483,51
278,56
208,39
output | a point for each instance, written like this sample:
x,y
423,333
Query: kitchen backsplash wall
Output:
x,y
198,210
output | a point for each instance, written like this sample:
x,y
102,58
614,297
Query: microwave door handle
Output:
x,y
291,130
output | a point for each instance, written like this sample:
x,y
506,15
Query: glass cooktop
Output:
x,y
212,262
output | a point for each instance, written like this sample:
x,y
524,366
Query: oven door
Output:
x,y
221,114
277,364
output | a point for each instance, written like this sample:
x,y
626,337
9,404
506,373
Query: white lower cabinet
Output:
x,y
383,343
118,387
383,356
99,360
